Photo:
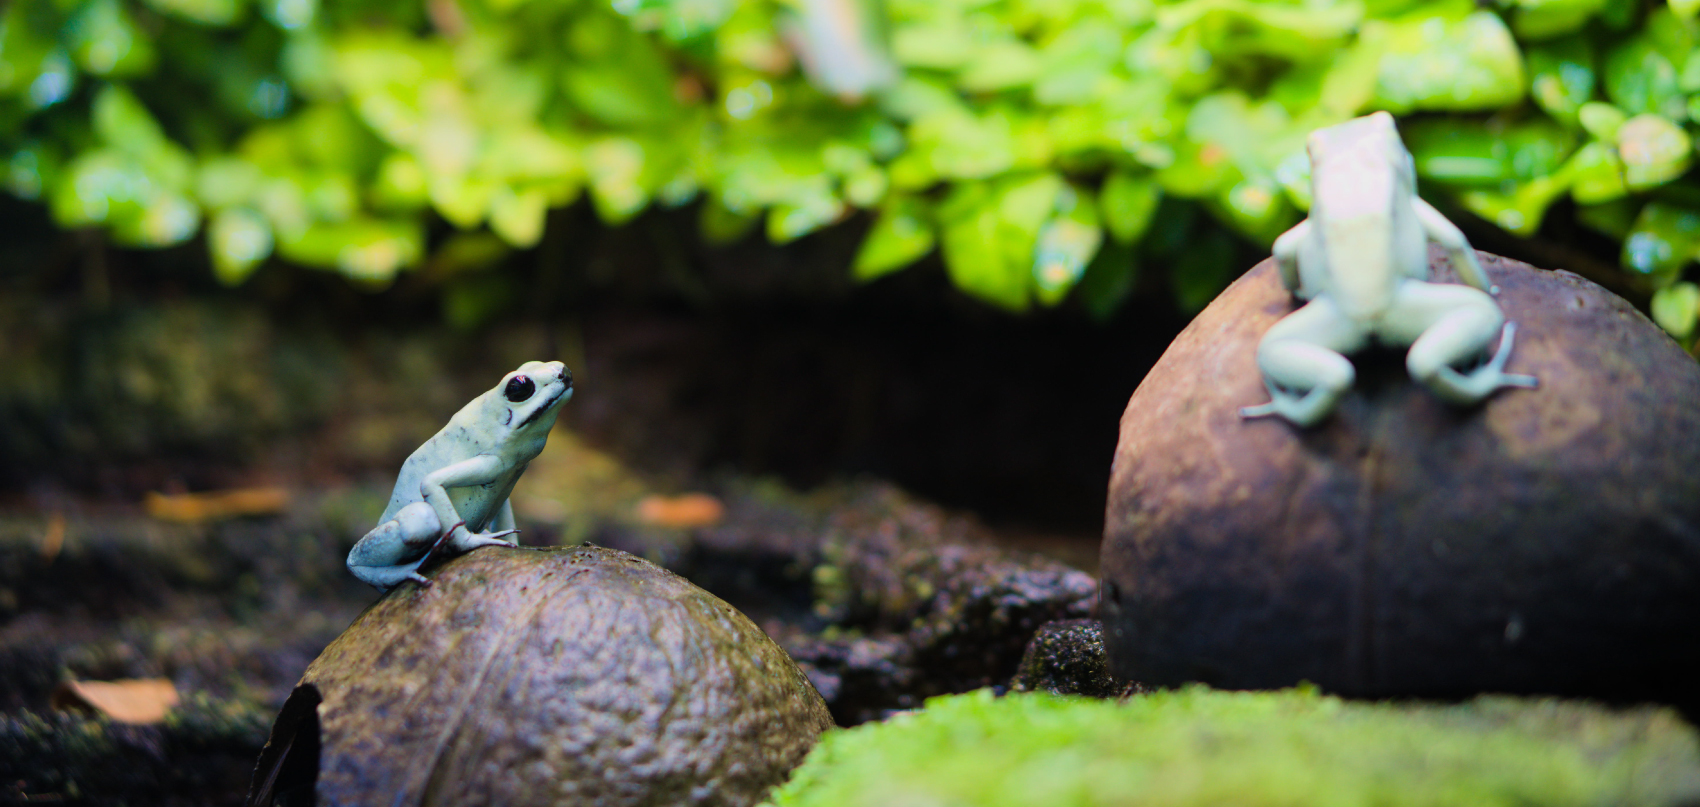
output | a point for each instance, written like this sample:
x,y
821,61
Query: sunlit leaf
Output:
x,y
369,250
1596,174
239,240
901,235
1543,19
1438,62
518,216
1520,209
1601,120
801,215
1677,309
1654,151
943,45
1641,79
401,183
616,166
1000,66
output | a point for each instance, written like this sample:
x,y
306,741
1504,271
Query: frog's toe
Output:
x,y
1259,411
473,540
422,580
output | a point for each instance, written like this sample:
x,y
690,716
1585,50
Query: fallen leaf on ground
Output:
x,y
193,508
133,700
681,512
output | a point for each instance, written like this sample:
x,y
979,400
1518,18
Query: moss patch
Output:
x,y
1198,746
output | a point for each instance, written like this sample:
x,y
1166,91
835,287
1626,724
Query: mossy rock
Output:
x,y
555,676
1197,746
1547,541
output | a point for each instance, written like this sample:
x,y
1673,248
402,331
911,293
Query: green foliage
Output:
x,y
1019,138
1201,747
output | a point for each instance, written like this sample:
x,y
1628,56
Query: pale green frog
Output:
x,y
457,484
1361,260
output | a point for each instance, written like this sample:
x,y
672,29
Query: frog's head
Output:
x,y
530,397
1360,167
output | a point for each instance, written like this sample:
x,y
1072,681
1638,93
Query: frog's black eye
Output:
x,y
519,388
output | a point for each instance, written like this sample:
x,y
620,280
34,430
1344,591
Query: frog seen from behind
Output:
x,y
1361,260
455,486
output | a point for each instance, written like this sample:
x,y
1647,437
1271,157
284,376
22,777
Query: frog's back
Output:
x,y
455,442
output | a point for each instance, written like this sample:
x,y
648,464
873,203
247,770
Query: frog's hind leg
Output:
x,y
1303,363
394,550
1452,327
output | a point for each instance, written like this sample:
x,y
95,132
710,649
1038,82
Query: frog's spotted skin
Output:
x,y
457,483
1361,259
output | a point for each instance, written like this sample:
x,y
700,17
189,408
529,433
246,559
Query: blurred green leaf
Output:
x,y
1677,309
105,41
1468,156
226,182
1600,119
1663,239
1000,66
1596,174
1654,151
1520,209
1127,201
1561,76
1640,79
517,216
942,45
1067,243
205,12
990,233
901,235
1437,60
369,250
239,240
1543,19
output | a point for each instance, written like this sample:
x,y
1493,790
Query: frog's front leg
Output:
x,y
1303,363
1448,326
458,536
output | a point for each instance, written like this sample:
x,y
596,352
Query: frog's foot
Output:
x,y
460,539
422,580
1304,410
1471,387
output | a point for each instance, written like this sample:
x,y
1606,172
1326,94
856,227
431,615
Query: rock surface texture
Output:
x,y
1547,541
572,676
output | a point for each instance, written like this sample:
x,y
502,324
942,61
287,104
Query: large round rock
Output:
x,y
1546,541
530,677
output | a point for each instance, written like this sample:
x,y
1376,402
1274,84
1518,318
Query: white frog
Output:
x,y
1361,260
457,483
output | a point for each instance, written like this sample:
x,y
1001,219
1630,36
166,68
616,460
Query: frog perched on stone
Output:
x,y
456,485
1361,260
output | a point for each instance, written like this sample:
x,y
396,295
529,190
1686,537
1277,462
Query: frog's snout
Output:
x,y
566,376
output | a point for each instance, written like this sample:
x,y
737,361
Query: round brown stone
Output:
x,y
1545,541
555,676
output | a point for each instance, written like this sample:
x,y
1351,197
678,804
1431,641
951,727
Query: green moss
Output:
x,y
1197,746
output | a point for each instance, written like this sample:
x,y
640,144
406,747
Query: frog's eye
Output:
x,y
519,388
